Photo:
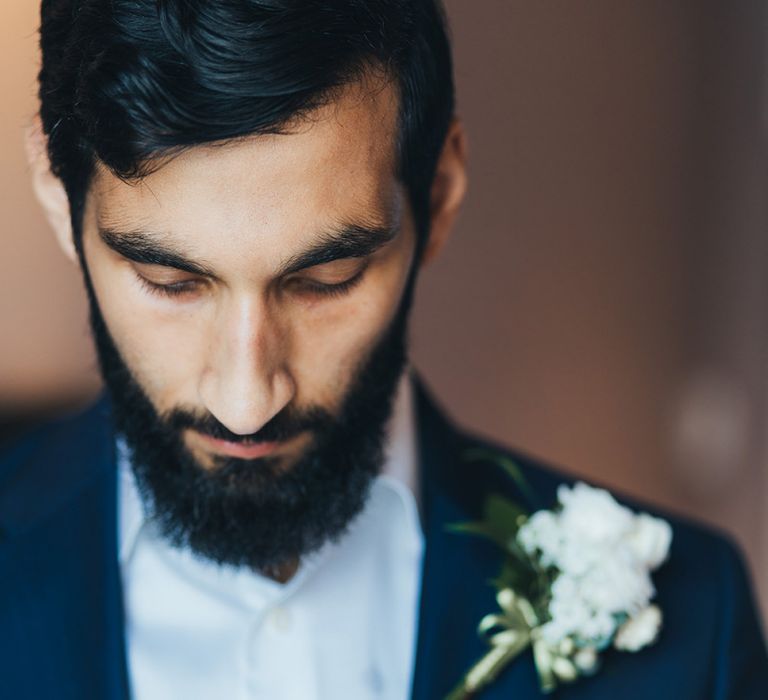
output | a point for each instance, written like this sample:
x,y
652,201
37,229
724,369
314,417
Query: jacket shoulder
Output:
x,y
544,479
54,457
63,431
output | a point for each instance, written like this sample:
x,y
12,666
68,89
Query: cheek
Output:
x,y
160,348
329,348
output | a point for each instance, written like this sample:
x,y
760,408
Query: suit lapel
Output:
x,y
455,592
60,577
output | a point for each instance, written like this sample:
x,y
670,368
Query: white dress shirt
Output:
x,y
343,628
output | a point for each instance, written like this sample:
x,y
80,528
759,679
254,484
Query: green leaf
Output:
x,y
482,529
509,466
500,523
505,515
514,574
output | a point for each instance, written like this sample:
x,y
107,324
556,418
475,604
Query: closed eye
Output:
x,y
173,289
303,285
308,285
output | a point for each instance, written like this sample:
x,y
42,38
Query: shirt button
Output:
x,y
280,619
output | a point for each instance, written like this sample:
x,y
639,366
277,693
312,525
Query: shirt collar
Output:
x,y
399,470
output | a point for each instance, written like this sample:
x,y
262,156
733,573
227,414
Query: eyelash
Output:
x,y
169,290
335,290
325,290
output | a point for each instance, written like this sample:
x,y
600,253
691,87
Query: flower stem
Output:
x,y
485,671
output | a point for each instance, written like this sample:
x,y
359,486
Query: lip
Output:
x,y
238,449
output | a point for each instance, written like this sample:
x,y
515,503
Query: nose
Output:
x,y
246,381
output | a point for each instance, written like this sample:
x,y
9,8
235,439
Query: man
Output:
x,y
259,506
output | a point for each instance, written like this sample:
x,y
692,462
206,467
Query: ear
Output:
x,y
49,189
448,189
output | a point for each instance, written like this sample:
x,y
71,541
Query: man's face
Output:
x,y
253,293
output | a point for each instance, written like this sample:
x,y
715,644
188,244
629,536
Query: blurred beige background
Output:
x,y
603,304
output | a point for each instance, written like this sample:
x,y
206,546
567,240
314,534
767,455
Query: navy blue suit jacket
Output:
x,y
61,616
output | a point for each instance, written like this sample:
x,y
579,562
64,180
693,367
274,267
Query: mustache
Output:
x,y
283,426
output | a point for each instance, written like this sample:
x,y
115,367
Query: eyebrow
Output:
x,y
145,248
353,241
350,241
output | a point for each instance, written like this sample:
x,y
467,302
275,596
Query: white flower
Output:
x,y
572,615
598,629
616,585
592,528
650,539
586,659
640,630
592,516
564,669
553,632
576,558
603,554
542,531
569,614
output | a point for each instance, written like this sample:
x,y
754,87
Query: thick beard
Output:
x,y
252,512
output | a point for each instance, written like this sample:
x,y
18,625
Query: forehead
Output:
x,y
335,165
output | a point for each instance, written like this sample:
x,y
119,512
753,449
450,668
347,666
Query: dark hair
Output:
x,y
126,82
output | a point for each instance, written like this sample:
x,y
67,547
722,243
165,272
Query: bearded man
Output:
x,y
259,505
